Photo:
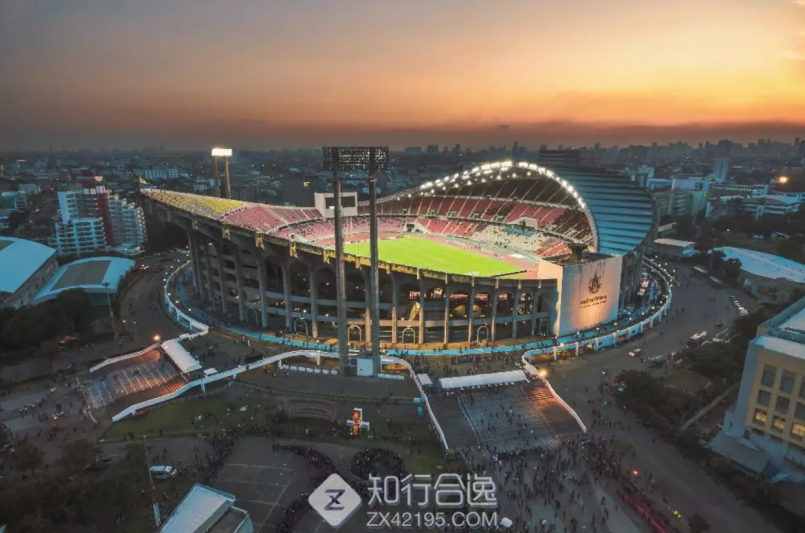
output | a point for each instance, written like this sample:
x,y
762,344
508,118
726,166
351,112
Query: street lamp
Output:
x,y
225,154
157,338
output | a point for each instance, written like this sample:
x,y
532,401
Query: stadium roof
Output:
x,y
93,275
203,510
181,357
765,265
621,212
19,260
479,380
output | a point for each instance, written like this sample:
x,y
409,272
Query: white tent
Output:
x,y
180,356
480,380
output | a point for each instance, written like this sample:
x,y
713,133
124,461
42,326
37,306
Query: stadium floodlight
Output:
x,y
355,158
225,153
221,152
368,159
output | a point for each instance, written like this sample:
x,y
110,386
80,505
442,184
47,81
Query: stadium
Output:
x,y
502,251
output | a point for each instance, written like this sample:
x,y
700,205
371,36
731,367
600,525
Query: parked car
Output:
x,y
163,472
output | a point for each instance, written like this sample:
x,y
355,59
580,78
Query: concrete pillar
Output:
x,y
314,303
515,311
219,251
193,243
534,312
261,274
495,296
208,266
367,301
239,283
577,349
447,313
421,311
471,313
393,308
554,353
286,289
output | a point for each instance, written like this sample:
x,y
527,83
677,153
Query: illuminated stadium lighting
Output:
x,y
221,152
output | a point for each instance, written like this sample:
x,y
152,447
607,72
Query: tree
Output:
x,y
77,455
698,524
731,269
28,457
5,435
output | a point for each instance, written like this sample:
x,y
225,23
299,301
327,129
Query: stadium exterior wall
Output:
x,y
589,294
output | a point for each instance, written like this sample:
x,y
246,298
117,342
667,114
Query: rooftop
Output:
x,y
202,510
94,274
766,265
785,332
673,242
19,260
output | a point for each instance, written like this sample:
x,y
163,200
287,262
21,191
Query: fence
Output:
x,y
536,348
267,361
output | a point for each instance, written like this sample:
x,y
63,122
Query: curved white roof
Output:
x,y
19,260
765,265
181,357
94,274
478,380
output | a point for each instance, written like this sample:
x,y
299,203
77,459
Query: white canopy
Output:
x,y
180,356
480,380
210,371
424,379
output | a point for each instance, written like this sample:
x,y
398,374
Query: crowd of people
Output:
x,y
365,463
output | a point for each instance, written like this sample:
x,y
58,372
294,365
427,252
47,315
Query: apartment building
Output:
x,y
769,416
91,219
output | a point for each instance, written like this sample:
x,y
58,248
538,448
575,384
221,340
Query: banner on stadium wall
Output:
x,y
590,293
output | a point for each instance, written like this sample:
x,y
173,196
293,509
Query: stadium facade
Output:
x,y
274,267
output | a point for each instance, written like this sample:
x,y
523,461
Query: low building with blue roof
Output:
x,y
25,268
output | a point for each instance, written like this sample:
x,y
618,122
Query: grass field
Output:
x,y
430,255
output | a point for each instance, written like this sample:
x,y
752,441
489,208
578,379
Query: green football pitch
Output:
x,y
431,255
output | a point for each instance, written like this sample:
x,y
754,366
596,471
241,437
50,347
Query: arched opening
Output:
x,y
356,294
300,282
408,336
459,304
505,304
483,305
408,302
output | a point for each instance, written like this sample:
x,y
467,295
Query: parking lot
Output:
x,y
265,482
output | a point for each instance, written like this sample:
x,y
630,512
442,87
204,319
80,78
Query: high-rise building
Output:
x,y
770,411
91,219
721,167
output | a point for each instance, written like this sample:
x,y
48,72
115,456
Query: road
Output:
x,y
689,489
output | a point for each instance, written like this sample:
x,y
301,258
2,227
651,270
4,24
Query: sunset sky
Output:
x,y
285,73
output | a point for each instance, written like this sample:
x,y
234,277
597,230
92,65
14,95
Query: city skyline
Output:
x,y
262,76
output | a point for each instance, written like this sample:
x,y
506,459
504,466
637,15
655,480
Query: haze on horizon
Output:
x,y
263,74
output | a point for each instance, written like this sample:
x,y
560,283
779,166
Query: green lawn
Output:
x,y
430,255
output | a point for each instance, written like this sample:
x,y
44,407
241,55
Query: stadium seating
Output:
x,y
206,206
516,417
122,379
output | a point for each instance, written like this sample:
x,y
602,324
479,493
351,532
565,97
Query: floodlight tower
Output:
x,y
369,160
225,154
